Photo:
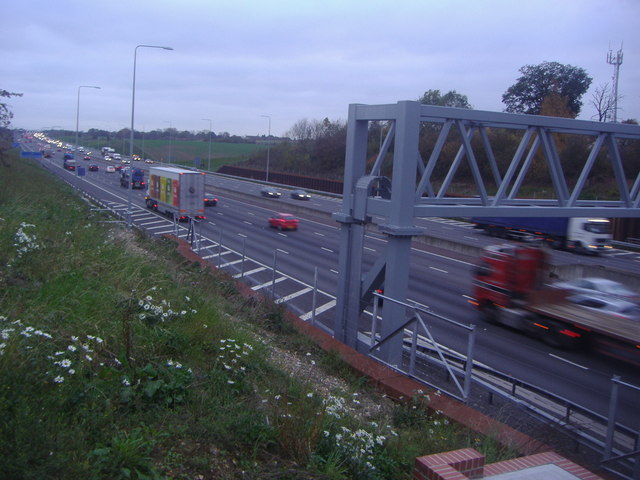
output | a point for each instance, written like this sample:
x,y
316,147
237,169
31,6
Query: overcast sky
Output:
x,y
236,60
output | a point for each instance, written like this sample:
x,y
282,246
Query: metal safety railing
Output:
x,y
416,326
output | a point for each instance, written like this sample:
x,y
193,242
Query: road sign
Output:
x,y
31,154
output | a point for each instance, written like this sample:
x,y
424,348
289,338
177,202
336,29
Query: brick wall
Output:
x,y
463,464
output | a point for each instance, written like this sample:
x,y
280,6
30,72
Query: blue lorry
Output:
x,y
584,235
133,175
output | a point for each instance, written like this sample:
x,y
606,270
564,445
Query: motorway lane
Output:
x,y
458,230
435,281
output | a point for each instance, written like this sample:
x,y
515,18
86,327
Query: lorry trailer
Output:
x,y
584,235
176,191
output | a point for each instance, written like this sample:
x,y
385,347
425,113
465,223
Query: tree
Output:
x,y
538,81
555,105
449,99
602,100
5,120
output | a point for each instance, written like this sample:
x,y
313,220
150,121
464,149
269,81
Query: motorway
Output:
x,y
235,237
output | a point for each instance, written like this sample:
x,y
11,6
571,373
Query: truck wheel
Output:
x,y
489,313
557,244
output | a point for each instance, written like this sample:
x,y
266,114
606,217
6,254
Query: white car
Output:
x,y
602,286
110,169
606,304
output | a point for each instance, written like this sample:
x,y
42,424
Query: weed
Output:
x,y
126,456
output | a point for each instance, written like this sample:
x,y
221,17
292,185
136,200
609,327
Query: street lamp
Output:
x,y
209,169
78,109
268,145
133,104
170,127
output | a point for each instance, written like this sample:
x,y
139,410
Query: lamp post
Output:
x,y
209,168
78,109
268,145
133,104
170,127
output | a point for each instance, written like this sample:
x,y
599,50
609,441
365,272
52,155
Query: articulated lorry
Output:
x,y
509,288
592,235
176,191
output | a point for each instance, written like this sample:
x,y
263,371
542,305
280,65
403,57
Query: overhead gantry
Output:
x,y
400,185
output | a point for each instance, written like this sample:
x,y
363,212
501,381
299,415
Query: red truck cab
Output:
x,y
509,272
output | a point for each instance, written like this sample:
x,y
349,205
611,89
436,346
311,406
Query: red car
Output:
x,y
283,221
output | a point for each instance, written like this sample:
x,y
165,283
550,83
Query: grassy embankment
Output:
x,y
119,359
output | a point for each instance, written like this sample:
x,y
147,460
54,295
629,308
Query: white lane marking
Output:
x,y
152,223
438,270
319,234
327,249
228,264
226,252
266,284
294,295
250,272
319,310
569,362
370,249
334,271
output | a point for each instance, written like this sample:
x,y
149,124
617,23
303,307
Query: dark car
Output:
x,y
270,192
86,157
118,167
93,168
283,221
210,200
300,195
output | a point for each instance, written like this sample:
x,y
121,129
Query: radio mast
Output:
x,y
616,61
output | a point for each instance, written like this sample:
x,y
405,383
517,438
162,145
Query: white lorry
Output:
x,y
176,192
592,235
107,151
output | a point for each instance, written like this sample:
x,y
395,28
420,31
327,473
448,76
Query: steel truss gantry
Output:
x,y
411,190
